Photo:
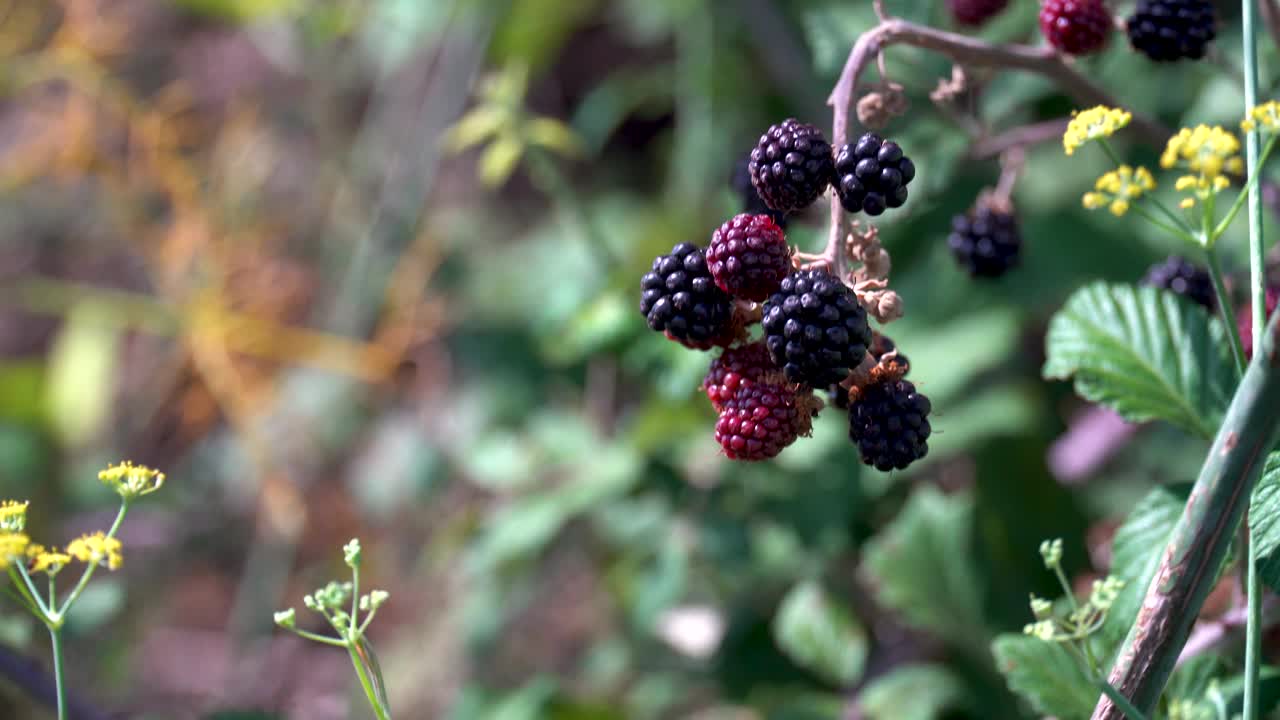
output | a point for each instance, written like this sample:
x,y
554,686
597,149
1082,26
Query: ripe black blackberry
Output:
x,y
748,257
985,241
791,165
734,368
1169,30
1185,278
815,329
763,418
872,174
751,202
679,297
889,422
1076,27
975,12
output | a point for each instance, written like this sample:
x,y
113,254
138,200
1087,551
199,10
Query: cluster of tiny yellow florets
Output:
x,y
96,548
131,481
13,516
1092,124
1117,189
1209,153
1264,117
46,560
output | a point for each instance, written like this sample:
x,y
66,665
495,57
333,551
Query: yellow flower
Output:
x,y
131,481
96,548
1096,122
1206,151
1118,189
13,546
47,561
1264,117
13,515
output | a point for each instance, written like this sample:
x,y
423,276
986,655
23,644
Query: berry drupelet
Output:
x,y
761,419
680,298
791,166
985,241
748,257
815,329
1169,30
749,198
1076,27
872,174
975,12
1185,278
889,422
735,367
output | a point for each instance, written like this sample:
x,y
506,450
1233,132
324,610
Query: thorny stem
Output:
x,y
1120,700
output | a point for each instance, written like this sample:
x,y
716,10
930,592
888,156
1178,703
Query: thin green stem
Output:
x,y
366,684
1177,231
1250,185
355,596
1253,167
22,580
91,568
1224,308
316,637
55,639
1120,700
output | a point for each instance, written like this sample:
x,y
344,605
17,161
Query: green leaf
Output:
x,y
478,125
1264,522
923,567
911,692
552,134
1145,353
1135,555
1045,675
82,372
820,635
500,159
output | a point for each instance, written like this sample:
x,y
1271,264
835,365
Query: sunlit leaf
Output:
x,y
1045,675
820,635
1264,522
911,692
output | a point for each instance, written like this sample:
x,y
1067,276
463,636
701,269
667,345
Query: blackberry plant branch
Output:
x,y
1189,565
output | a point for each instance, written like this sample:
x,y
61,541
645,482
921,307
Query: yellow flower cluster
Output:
x,y
13,547
1206,151
1096,122
131,481
47,560
97,548
1117,189
1264,117
13,515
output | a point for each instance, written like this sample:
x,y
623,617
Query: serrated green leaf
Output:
x,y
1045,675
911,692
1145,353
819,635
923,567
1135,555
1264,522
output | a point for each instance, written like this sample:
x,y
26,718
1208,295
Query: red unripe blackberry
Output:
x,y
975,12
734,368
985,241
750,199
679,297
1244,320
791,165
1168,30
815,329
889,422
748,257
761,419
872,174
1185,278
1076,27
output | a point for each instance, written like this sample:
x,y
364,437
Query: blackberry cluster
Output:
x,y
815,329
750,200
985,241
748,257
791,165
889,422
872,174
1185,278
680,298
1169,30
975,12
1075,27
